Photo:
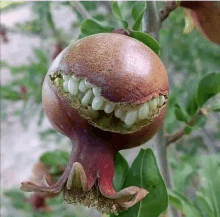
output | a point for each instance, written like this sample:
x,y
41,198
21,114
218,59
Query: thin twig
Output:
x,y
76,5
152,21
170,138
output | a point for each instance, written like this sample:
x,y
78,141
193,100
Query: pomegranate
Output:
x,y
206,16
106,92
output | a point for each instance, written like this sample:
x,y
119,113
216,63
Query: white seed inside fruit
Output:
x,y
161,100
73,86
66,77
97,103
86,99
75,78
65,86
96,91
119,112
82,86
153,104
89,95
143,111
130,117
88,84
109,107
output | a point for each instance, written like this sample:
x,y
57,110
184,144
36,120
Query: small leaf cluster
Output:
x,y
147,177
26,86
206,201
200,91
55,159
92,26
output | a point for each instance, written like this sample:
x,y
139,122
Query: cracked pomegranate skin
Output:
x,y
127,73
126,70
206,16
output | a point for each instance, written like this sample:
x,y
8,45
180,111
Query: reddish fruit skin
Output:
x,y
127,71
38,200
68,121
206,16
97,58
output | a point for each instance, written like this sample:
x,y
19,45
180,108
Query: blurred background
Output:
x,y
32,34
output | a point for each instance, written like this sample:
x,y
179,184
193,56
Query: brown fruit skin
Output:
x,y
109,60
127,71
38,200
206,16
97,58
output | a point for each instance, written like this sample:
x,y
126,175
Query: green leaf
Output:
x,y
188,129
199,122
203,205
208,87
138,14
137,24
8,93
209,180
121,171
137,9
181,115
144,173
55,158
182,203
91,26
191,99
14,194
182,175
147,40
117,13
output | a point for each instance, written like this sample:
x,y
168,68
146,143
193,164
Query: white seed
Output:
x,y
73,86
161,100
65,86
119,113
86,99
158,100
130,117
82,86
80,95
153,104
96,91
97,103
143,111
88,84
109,107
75,78
66,77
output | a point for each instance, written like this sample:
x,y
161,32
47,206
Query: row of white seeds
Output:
x,y
90,95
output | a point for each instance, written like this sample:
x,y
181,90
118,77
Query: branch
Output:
x,y
167,9
151,20
178,134
80,8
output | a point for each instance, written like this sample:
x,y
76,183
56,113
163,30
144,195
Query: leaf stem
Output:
x,y
76,5
170,138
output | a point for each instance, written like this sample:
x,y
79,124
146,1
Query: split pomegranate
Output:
x,y
106,92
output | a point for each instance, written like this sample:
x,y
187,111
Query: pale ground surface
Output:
x,y
20,148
